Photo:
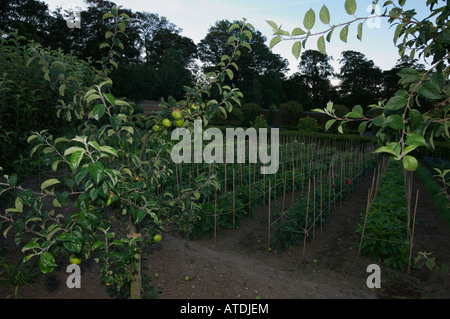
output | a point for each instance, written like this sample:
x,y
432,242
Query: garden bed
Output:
x,y
238,264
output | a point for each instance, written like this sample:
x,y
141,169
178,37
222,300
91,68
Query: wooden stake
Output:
x,y
365,223
264,190
284,195
268,223
306,220
293,185
249,192
314,205
226,181
321,226
234,200
412,234
176,175
215,217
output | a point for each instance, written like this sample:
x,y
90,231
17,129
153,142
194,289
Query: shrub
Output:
x,y
290,113
260,122
308,124
271,114
251,111
235,115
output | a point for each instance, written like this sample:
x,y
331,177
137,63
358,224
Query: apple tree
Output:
x,y
117,195
401,127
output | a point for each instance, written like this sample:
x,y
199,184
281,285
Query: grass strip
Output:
x,y
426,177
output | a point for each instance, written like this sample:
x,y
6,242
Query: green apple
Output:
x,y
177,114
179,123
75,259
187,278
167,123
157,238
156,128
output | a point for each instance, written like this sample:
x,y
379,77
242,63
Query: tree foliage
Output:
x,y
315,73
118,192
402,127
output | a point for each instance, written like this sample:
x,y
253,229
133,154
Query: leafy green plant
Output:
x,y
424,259
437,192
401,127
444,179
28,100
17,276
308,124
385,235
118,165
260,122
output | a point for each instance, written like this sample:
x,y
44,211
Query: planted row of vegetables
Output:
x,y
299,223
338,166
385,228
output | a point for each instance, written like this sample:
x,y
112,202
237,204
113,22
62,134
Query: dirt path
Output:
x,y
239,265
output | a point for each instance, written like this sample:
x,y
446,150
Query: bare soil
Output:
x,y
239,265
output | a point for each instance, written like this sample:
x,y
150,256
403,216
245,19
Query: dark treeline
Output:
x,y
158,61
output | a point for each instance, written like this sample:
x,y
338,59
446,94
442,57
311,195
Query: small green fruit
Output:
x,y
167,123
156,275
187,278
75,259
177,114
156,128
157,238
179,123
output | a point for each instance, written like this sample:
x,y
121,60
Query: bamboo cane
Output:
x,y
412,234
268,223
365,223
306,220
284,195
321,224
215,216
249,192
314,205
234,200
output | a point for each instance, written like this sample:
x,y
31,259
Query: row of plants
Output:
x,y
249,193
386,229
437,186
108,206
314,207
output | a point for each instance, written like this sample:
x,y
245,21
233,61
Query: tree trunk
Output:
x,y
136,282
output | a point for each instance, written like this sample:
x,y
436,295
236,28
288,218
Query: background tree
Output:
x,y
257,62
149,25
315,74
290,113
361,81
30,18
295,90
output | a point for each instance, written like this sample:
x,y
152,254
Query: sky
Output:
x,y
195,17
